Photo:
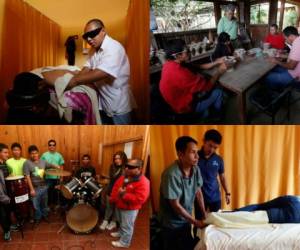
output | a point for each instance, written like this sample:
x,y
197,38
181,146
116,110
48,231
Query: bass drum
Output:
x,y
82,218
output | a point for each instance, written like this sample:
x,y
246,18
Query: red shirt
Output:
x,y
276,41
178,86
136,194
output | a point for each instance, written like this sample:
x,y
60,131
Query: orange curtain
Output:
x,y
261,162
29,40
137,47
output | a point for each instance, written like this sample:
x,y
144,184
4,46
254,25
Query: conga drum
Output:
x,y
82,218
68,189
17,190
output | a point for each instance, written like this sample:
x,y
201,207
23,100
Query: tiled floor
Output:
x,y
45,237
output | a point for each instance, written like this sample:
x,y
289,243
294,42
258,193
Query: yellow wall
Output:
x,y
1,26
115,30
72,15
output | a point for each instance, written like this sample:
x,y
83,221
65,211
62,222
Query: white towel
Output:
x,y
239,219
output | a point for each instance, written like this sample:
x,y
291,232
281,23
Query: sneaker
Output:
x,y
115,234
14,227
103,225
7,236
112,225
118,244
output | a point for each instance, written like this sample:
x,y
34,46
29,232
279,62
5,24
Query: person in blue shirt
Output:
x,y
212,166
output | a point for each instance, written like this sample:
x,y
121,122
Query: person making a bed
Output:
x,y
108,68
180,186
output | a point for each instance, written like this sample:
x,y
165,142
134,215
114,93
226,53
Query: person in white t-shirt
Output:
x,y
108,68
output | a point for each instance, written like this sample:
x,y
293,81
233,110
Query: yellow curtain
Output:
x,y
137,47
29,40
261,162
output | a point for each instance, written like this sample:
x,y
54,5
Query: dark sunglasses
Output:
x,y
91,34
131,167
51,145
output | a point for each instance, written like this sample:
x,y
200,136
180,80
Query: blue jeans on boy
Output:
x,y
278,78
127,219
284,209
215,99
39,202
123,119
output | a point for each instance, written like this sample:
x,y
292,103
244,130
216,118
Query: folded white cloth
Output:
x,y
239,219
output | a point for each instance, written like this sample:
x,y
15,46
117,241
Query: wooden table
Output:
x,y
243,76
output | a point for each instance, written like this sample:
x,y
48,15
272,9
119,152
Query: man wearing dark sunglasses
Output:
x,y
55,158
108,68
129,193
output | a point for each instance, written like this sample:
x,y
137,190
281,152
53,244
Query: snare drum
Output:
x,y
92,185
17,190
68,189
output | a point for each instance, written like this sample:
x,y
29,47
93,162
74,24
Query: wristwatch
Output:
x,y
227,194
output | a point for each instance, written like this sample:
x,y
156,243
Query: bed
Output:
x,y
272,237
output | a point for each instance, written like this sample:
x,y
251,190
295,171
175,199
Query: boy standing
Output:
x,y
4,199
16,162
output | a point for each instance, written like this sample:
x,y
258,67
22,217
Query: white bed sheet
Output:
x,y
275,237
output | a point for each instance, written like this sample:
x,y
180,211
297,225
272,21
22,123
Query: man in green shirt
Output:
x,y
55,158
228,23
180,186
15,164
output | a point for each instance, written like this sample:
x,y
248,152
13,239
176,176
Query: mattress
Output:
x,y
274,237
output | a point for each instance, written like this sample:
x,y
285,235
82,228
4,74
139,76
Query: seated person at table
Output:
x,y
285,72
86,170
283,209
275,38
224,47
15,164
186,91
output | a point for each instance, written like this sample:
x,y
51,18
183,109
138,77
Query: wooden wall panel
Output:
x,y
74,141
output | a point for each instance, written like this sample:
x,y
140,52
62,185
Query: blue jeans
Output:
x,y
215,99
109,210
123,119
284,209
278,77
53,194
39,202
127,219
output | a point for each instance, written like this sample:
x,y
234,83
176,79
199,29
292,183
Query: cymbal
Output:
x,y
58,172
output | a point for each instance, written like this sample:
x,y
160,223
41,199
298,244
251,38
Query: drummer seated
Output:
x,y
185,91
86,170
129,193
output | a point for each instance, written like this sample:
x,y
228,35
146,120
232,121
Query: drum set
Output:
x,y
81,194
